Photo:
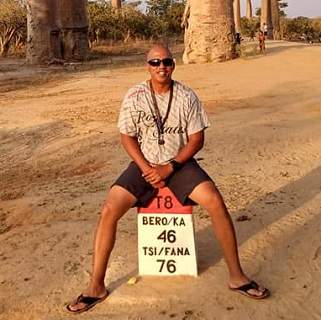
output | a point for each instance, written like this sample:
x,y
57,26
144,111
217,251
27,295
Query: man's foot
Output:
x,y
84,303
252,290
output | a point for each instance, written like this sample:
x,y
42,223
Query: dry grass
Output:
x,y
129,48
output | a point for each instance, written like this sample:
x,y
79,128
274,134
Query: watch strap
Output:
x,y
176,165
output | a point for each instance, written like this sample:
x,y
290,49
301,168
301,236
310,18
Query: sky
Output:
x,y
306,8
296,8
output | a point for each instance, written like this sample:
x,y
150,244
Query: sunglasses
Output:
x,y
167,62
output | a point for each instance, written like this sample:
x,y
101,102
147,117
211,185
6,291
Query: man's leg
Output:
x,y
207,195
117,203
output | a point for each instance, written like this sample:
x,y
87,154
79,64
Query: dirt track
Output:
x,y
59,151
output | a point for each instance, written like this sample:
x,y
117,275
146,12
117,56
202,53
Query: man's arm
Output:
x,y
195,143
161,172
132,148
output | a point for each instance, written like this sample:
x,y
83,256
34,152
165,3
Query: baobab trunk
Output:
x,y
73,24
249,12
43,33
57,29
276,20
209,31
237,15
116,4
266,17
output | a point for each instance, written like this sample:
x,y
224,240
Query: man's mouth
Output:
x,y
162,73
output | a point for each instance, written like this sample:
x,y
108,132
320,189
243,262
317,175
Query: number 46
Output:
x,y
169,236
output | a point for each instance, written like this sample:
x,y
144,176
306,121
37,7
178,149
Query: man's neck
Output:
x,y
161,88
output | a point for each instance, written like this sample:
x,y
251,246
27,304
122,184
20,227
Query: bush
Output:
x,y
13,25
249,27
165,17
161,20
302,28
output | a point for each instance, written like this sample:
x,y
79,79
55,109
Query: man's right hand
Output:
x,y
159,185
157,174
154,177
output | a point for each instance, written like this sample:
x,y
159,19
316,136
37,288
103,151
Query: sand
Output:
x,y
60,151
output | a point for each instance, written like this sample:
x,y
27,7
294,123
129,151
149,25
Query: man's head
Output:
x,y
160,64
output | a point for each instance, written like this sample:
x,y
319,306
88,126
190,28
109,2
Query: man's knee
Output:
x,y
109,213
207,195
216,198
117,203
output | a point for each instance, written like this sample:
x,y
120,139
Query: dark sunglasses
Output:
x,y
167,62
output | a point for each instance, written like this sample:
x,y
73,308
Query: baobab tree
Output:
x,y
266,17
73,25
116,4
237,15
42,31
275,12
249,11
209,31
57,29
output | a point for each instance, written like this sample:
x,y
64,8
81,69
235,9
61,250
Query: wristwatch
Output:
x,y
176,165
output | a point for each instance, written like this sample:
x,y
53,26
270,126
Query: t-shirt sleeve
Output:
x,y
126,123
197,117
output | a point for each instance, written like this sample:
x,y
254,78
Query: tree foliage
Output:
x,y
13,21
303,28
108,23
282,6
158,7
162,19
249,27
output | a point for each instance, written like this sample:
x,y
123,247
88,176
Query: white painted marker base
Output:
x,y
166,243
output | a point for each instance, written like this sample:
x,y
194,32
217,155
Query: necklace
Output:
x,y
158,118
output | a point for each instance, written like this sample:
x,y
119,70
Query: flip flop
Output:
x,y
245,288
88,302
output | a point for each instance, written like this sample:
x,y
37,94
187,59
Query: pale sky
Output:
x,y
306,8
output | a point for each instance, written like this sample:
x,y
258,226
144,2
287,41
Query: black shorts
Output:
x,y
181,183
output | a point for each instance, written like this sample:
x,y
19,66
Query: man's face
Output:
x,y
160,73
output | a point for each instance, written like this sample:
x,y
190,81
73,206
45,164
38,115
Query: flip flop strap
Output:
x,y
87,300
248,286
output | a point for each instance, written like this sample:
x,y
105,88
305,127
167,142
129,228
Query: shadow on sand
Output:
x,y
287,199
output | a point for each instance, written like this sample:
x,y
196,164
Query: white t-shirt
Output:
x,y
137,119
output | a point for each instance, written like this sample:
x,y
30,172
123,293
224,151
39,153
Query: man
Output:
x,y
261,38
265,29
162,127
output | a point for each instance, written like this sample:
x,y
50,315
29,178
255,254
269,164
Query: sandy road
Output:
x,y
59,151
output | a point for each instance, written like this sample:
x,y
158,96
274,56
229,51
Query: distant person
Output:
x,y
162,124
261,41
309,39
265,29
238,38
